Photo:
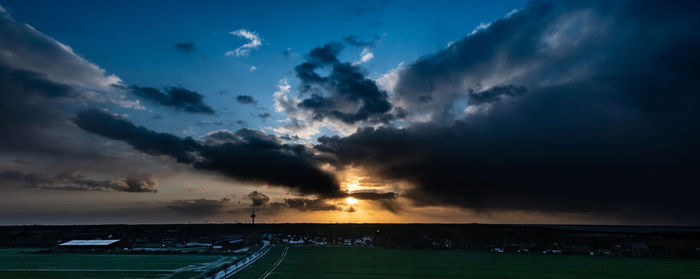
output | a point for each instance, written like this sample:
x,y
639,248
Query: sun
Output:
x,y
350,201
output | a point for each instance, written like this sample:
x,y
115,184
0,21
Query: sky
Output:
x,y
544,112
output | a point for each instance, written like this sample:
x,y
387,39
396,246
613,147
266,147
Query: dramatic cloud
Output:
x,y
246,155
175,97
304,204
330,202
77,182
35,108
560,107
258,199
246,99
25,121
494,94
41,80
383,200
345,94
24,48
254,42
145,140
368,195
252,155
186,48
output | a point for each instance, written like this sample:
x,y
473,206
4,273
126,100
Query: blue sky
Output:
x,y
135,39
379,111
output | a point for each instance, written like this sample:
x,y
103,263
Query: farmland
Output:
x,y
354,262
345,262
21,263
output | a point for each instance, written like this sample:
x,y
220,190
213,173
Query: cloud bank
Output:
x,y
583,107
246,155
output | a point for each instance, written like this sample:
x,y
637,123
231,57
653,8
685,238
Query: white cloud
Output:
x,y
365,56
254,41
482,26
284,103
252,68
512,12
388,81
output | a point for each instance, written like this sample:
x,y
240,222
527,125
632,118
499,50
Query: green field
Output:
x,y
347,262
262,265
16,263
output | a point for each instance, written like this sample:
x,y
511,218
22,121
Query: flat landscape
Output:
x,y
21,263
354,262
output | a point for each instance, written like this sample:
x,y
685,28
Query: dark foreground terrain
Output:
x,y
633,241
199,251
357,262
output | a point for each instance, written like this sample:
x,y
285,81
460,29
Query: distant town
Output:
x,y
628,241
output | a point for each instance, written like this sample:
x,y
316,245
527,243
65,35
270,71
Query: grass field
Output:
x,y
347,262
15,263
262,265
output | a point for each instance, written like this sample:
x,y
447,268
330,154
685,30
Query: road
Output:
x,y
279,261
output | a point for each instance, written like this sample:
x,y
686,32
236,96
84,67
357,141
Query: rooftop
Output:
x,y
95,242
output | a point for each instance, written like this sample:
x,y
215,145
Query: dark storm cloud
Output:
x,y
252,155
31,110
258,199
589,107
19,109
175,97
367,195
32,83
246,99
345,94
71,181
246,154
42,81
328,202
495,94
384,200
139,137
186,47
198,207
304,204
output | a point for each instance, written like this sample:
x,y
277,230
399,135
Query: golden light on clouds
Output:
x,y
350,201
354,179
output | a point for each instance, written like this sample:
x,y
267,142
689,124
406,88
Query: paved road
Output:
x,y
279,261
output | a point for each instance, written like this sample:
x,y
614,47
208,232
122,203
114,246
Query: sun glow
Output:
x,y
350,200
352,187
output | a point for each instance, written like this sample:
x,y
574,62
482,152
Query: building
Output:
x,y
95,244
